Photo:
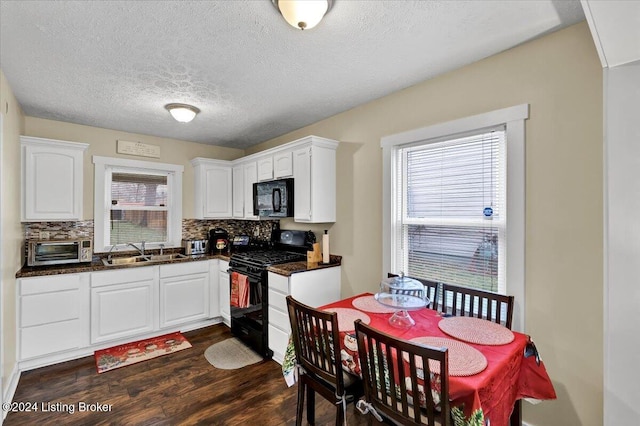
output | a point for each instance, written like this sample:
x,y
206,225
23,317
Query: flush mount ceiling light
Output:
x,y
303,14
182,112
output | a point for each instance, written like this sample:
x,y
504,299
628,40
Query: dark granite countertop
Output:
x,y
287,269
97,265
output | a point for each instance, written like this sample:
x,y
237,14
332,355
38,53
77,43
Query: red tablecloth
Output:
x,y
508,376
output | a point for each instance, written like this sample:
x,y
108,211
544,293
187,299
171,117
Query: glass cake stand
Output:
x,y
404,294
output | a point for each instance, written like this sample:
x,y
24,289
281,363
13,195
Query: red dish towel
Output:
x,y
239,290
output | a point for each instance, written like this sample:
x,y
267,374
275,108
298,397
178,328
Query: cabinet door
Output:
x,y
265,168
122,310
225,293
217,192
52,187
53,314
183,299
238,192
250,177
282,165
302,184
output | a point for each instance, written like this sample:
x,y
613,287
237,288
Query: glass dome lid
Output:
x,y
402,293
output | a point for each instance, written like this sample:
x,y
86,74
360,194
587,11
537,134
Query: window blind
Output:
x,y
450,206
138,207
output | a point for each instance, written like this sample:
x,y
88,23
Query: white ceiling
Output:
x,y
115,64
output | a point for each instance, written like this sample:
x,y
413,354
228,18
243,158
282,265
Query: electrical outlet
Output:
x,y
256,232
44,235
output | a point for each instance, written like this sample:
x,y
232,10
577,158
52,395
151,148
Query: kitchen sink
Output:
x,y
165,257
137,260
125,260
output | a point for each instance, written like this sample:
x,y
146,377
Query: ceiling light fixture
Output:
x,y
182,112
303,14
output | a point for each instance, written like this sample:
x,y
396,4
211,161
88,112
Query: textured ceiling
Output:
x,y
115,64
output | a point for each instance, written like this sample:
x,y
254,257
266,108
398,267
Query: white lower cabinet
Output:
x,y
53,314
123,303
224,292
184,293
67,316
314,288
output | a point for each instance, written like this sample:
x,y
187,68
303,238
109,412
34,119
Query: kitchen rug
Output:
x,y
141,350
231,354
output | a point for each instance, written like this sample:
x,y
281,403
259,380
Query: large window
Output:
x,y
454,203
450,210
137,201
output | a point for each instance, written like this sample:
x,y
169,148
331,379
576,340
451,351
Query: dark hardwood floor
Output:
x,y
176,389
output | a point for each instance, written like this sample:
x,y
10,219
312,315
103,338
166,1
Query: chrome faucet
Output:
x,y
141,249
161,249
113,247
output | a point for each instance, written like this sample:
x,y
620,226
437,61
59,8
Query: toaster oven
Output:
x,y
41,253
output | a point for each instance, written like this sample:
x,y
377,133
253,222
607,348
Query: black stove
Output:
x,y
250,323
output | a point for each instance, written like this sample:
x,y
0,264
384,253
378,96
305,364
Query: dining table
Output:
x,y
491,368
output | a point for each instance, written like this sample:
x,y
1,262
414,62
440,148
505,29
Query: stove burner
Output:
x,y
264,258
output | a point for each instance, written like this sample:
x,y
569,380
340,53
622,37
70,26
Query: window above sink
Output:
x,y
136,201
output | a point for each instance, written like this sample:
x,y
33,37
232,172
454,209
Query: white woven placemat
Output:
x,y
346,317
370,304
476,330
464,360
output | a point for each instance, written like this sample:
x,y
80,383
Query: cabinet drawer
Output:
x,y
277,300
180,269
49,284
279,319
37,309
278,282
278,341
50,338
122,276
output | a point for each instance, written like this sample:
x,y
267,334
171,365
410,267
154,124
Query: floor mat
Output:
x,y
141,350
231,354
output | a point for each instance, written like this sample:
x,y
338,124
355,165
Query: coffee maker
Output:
x,y
218,241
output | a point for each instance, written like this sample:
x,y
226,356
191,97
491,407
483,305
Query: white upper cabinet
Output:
x,y
314,173
265,168
250,177
224,189
213,189
238,192
282,164
52,177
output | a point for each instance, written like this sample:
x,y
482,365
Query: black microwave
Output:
x,y
273,198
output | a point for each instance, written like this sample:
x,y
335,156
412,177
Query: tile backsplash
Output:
x,y
191,229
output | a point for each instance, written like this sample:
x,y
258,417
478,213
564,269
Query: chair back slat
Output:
x,y
463,301
398,381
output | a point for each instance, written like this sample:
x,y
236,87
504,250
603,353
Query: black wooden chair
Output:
x,y
317,347
393,384
431,288
463,301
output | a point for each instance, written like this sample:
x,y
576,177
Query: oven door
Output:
x,y
249,313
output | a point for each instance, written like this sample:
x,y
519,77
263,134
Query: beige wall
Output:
x,y
561,78
102,142
10,245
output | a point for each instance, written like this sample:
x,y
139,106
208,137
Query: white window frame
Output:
x,y
513,118
102,200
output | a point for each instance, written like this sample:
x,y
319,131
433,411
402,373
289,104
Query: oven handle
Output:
x,y
255,277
